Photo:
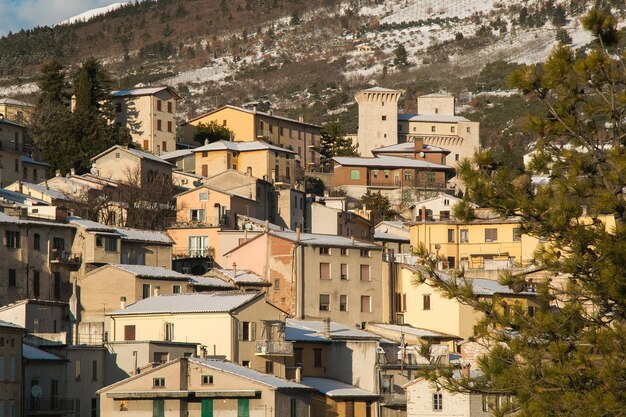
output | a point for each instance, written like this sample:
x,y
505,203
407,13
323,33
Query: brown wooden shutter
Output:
x,y
129,332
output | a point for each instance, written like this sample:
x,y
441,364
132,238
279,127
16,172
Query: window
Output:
x,y
170,107
344,252
532,310
324,270
203,196
491,235
205,170
169,129
433,128
297,356
343,302
293,407
24,173
456,157
365,273
159,124
12,239
451,262
366,304
344,271
160,357
247,331
12,277
159,105
12,369
426,302
444,215
197,215
450,235
324,251
145,291
437,401
365,253
269,367
276,284
129,332
146,144
431,177
94,370
517,234
384,117
1,368
118,107
176,289
17,166
77,370
243,407
375,173
386,173
355,174
324,302
224,122
468,130
110,244
169,332
464,235
158,382
317,358
36,284
207,379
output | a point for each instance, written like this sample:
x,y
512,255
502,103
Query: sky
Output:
x,y
26,14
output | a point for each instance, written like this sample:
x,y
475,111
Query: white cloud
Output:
x,y
26,14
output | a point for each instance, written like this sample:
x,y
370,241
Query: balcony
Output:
x,y
274,348
183,253
64,257
394,399
50,406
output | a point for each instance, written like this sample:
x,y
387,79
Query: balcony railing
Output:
x,y
64,257
50,406
194,253
274,348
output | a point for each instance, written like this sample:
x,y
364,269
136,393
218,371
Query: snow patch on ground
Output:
x,y
199,75
28,88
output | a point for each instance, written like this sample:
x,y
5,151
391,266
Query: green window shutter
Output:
x,y
158,408
243,407
293,407
355,174
207,407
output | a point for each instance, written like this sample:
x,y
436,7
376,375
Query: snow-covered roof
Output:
x,y
311,331
336,389
29,160
325,240
247,373
256,145
136,152
480,286
209,302
421,333
201,281
7,324
260,223
20,198
90,225
212,188
6,122
168,156
380,235
50,192
5,218
380,90
144,271
33,353
240,276
138,235
436,118
389,162
410,147
14,102
143,91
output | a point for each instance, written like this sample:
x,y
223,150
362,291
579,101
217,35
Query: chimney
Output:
x,y
206,141
249,171
254,109
122,303
267,226
326,329
584,209
57,173
157,291
418,142
72,171
301,118
298,374
424,214
298,234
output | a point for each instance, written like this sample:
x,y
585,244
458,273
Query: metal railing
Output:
x,y
181,253
274,347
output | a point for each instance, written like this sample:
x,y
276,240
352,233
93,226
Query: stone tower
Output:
x,y
378,118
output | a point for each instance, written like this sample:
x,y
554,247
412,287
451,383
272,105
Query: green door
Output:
x,y
243,407
158,408
207,407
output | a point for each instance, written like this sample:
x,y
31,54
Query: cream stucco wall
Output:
x,y
378,119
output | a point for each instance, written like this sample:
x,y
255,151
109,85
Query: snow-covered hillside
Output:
x,y
90,14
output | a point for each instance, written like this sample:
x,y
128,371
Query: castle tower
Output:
x,y
431,104
378,118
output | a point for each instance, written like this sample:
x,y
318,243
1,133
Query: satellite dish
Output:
x,y
73,189
197,183
422,154
36,391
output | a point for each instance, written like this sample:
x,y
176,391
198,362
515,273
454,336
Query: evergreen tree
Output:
x,y
334,143
379,205
567,359
212,132
401,56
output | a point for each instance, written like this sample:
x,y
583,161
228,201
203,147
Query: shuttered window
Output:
x,y
129,332
365,273
324,270
366,304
